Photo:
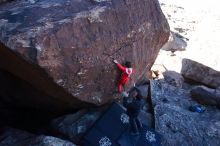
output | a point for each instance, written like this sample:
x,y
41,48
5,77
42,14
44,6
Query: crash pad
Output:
x,y
146,137
112,129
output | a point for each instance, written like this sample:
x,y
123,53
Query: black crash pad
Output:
x,y
96,138
114,122
146,137
112,129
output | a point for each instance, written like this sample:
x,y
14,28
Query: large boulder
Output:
x,y
206,96
65,48
175,43
200,73
177,124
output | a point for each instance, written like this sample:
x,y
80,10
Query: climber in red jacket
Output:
x,y
126,73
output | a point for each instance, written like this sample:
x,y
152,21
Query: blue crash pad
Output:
x,y
114,122
146,137
112,129
95,138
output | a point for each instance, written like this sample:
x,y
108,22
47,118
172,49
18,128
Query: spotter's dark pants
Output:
x,y
135,125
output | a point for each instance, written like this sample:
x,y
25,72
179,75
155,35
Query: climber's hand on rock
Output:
x,y
115,61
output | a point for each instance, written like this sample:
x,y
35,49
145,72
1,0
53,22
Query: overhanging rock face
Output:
x,y
65,48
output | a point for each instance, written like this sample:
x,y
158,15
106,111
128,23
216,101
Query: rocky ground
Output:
x,y
179,125
191,56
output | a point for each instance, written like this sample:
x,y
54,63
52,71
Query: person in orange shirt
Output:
x,y
127,71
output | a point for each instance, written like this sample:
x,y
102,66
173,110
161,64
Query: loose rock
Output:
x,y
200,73
175,43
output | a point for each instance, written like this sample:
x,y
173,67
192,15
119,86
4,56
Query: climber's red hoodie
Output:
x,y
126,73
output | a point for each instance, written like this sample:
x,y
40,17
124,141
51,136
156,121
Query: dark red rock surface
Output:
x,y
65,47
